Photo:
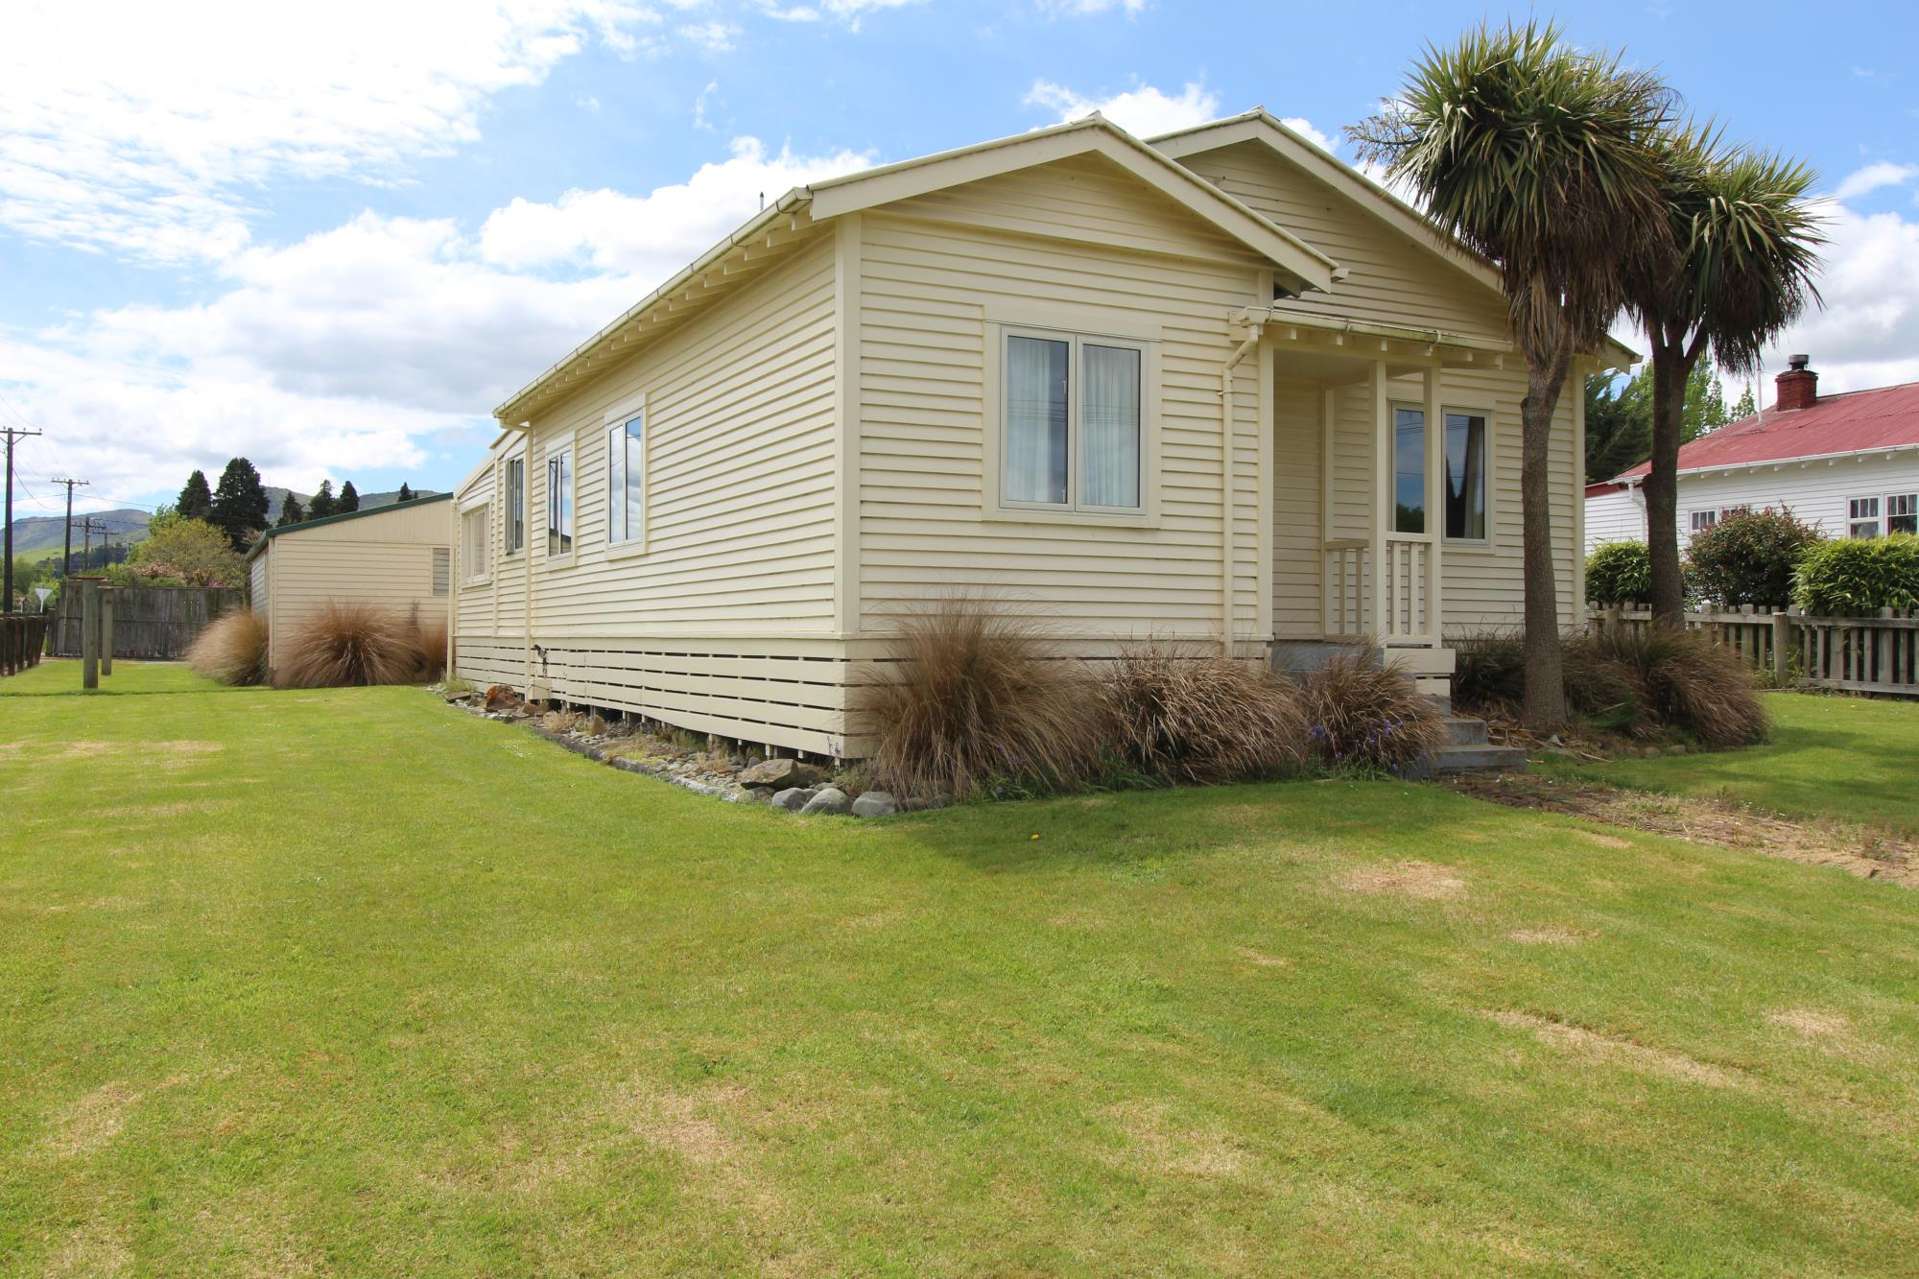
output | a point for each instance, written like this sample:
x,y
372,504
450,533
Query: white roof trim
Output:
x,y
1094,134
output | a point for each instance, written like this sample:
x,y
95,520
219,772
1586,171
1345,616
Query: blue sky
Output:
x,y
333,240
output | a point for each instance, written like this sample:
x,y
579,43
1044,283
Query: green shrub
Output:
x,y
1749,558
1360,714
1619,573
1203,719
973,703
1856,577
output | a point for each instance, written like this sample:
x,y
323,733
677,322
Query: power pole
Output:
x,y
87,525
66,557
6,591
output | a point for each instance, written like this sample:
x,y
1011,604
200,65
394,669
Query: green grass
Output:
x,y
350,983
1838,758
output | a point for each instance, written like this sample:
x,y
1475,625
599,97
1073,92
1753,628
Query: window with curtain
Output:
x,y
626,480
1862,517
1074,433
473,543
1466,476
1902,513
515,521
559,503
1409,470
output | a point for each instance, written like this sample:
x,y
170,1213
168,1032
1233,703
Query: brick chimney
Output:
x,y
1798,386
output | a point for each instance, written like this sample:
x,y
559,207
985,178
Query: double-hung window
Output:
x,y
1862,517
473,543
1902,513
1465,476
1703,520
1074,426
559,503
515,513
626,480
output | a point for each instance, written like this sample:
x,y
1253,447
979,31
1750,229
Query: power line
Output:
x,y
66,561
14,436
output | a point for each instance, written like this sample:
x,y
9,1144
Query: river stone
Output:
x,y
793,798
780,774
830,800
875,803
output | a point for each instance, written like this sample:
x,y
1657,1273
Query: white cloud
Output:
x,y
362,345
1304,128
1078,7
146,129
714,37
1868,332
700,104
848,11
1873,177
1144,110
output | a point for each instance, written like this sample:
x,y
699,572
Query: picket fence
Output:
x,y
1856,654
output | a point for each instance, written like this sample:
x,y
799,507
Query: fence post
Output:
x,y
1781,647
106,630
90,635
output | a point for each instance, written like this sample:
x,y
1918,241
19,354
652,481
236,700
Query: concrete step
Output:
x,y
1463,731
1478,759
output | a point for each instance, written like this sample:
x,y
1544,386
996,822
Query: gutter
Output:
x,y
1227,548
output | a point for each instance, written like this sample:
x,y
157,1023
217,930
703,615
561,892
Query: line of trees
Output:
x,y
1576,176
238,505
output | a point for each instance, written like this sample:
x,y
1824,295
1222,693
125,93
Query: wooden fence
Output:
x,y
1857,654
154,623
22,636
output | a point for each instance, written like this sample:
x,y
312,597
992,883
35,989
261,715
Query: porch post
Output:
x,y
1382,501
1435,502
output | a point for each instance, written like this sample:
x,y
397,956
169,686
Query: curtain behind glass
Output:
x,y
1036,420
1465,476
1109,426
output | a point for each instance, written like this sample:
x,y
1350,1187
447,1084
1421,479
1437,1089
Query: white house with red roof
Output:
x,y
1847,464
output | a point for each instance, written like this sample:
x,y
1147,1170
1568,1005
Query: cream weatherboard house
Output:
x,y
1216,388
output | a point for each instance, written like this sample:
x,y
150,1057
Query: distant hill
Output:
x,y
38,536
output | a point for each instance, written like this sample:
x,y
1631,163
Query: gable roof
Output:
x,y
1849,422
387,508
1093,135
798,215
1261,126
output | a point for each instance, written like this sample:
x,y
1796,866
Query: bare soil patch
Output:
x,y
1860,850
1422,880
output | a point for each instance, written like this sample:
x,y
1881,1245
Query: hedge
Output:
x,y
1856,577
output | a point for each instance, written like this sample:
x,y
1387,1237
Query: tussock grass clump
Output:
x,y
350,644
429,636
232,649
1204,719
1684,680
1490,669
1360,714
973,701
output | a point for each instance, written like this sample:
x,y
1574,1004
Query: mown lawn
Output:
x,y
352,983
1844,759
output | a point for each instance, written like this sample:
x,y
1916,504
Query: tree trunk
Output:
x,y
1545,705
1670,369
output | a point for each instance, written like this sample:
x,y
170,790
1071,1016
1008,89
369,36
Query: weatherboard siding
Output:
x,y
383,559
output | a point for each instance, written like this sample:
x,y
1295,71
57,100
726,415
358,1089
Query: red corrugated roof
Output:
x,y
1850,422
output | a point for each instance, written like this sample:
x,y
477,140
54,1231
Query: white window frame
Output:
x,y
1053,326
1700,521
615,419
1907,508
508,550
561,451
1485,412
484,542
1869,515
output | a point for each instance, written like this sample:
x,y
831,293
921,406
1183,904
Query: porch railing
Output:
x,y
1344,607
1408,617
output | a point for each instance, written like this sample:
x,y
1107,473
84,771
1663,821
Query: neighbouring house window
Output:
x,y
559,503
1902,513
1703,520
1862,517
1409,470
1075,422
442,569
626,480
473,543
515,505
1466,477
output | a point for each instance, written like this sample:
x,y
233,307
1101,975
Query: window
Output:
x,y
515,505
1409,470
626,480
1703,520
473,543
1862,517
1902,513
1466,477
1074,422
559,503
442,569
